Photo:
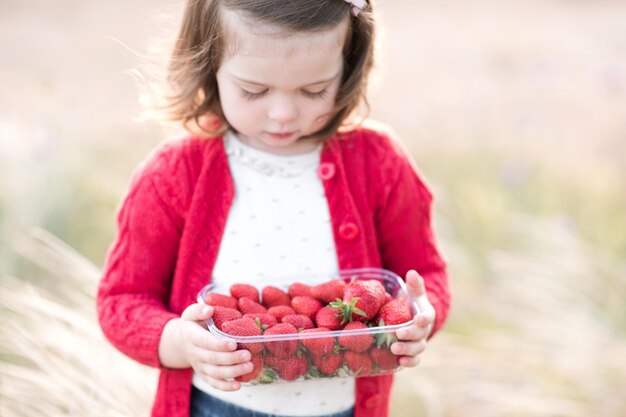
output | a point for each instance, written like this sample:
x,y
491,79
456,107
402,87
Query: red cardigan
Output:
x,y
171,223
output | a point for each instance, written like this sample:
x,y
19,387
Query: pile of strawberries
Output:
x,y
356,305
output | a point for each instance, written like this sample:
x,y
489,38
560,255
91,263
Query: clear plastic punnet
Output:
x,y
313,326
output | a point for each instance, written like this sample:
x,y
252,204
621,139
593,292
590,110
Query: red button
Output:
x,y
373,401
348,230
326,170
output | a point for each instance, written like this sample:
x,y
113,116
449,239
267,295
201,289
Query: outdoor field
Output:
x,y
515,113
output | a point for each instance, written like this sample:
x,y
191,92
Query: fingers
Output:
x,y
216,361
408,348
425,318
204,340
221,377
420,330
409,352
197,312
409,361
224,358
415,284
417,290
221,384
225,372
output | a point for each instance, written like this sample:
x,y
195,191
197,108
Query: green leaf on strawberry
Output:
x,y
347,310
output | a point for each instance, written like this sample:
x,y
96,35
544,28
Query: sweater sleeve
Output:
x,y
133,294
405,231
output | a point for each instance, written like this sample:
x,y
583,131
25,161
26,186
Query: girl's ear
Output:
x,y
210,122
207,126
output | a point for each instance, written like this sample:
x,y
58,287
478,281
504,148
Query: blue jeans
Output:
x,y
205,405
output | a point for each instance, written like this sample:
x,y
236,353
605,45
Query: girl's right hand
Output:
x,y
216,361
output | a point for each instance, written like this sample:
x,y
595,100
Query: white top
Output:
x,y
278,227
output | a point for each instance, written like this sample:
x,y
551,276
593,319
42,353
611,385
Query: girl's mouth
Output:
x,y
285,135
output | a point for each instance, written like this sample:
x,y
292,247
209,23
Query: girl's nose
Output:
x,y
283,110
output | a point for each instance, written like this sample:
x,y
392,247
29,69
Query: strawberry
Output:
x,y
356,342
223,314
215,299
244,290
288,369
388,298
328,364
318,346
297,289
266,320
329,291
244,327
300,321
282,348
280,311
249,306
361,300
329,317
384,359
273,296
306,305
359,363
396,311
257,362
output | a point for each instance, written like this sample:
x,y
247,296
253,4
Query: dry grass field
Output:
x,y
514,110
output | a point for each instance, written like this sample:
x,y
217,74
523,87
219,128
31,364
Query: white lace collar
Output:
x,y
267,163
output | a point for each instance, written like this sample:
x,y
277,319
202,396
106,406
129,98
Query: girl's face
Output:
x,y
275,89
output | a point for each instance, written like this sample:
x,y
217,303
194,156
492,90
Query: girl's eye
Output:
x,y
252,96
318,94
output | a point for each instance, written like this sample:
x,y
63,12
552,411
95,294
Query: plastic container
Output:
x,y
321,354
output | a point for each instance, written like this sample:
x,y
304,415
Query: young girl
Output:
x,y
276,185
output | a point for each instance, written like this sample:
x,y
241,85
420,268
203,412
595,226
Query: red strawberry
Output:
x,y
223,314
388,298
361,300
288,369
396,311
265,319
306,305
297,289
329,291
282,348
356,342
257,362
328,364
244,327
384,359
215,299
300,321
318,346
280,311
359,363
273,296
329,317
249,306
244,290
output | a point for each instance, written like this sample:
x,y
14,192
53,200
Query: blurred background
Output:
x,y
515,111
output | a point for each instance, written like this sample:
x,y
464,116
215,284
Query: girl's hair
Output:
x,y
193,97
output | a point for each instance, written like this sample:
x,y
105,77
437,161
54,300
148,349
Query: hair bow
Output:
x,y
357,6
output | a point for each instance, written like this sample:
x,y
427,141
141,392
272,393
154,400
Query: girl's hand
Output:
x,y
412,341
216,361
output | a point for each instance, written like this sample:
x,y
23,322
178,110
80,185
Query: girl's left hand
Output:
x,y
412,341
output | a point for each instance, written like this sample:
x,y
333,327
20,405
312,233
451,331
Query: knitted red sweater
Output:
x,y
171,223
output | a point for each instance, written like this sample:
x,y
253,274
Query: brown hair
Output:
x,y
193,97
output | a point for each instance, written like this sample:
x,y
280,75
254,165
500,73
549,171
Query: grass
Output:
x,y
54,359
